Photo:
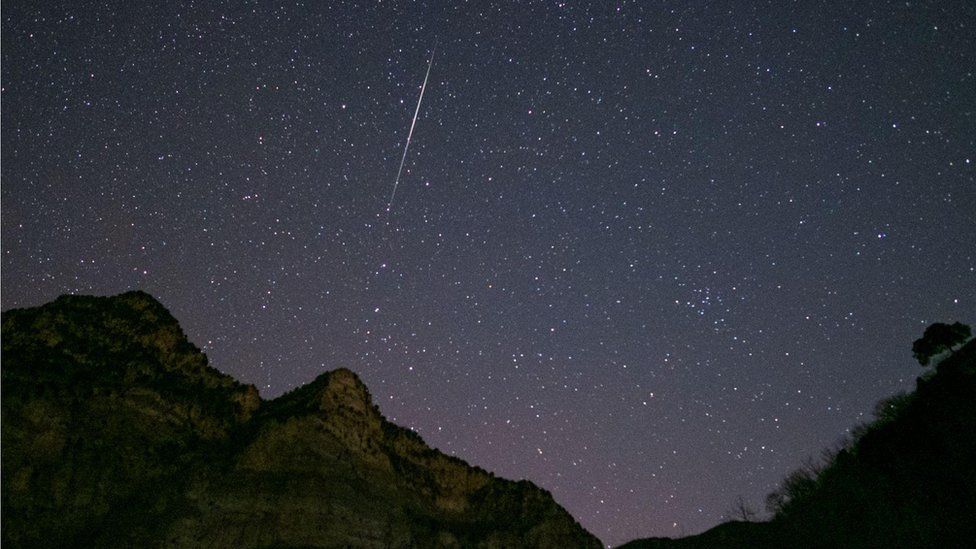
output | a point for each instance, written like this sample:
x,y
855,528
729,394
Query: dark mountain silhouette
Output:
x,y
116,433
906,480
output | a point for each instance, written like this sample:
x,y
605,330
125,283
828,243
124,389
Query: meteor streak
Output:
x,y
410,133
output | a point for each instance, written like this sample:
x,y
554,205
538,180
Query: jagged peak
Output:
x,y
346,375
329,392
135,309
136,299
345,389
113,324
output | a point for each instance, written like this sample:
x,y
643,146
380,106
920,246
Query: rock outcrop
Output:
x,y
116,432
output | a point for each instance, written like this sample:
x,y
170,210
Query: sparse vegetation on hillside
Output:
x,y
939,338
906,479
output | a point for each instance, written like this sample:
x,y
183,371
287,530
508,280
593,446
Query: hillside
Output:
x,y
117,433
906,480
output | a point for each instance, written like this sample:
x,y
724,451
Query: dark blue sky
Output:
x,y
647,255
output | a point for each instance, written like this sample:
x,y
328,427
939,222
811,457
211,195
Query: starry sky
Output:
x,y
648,255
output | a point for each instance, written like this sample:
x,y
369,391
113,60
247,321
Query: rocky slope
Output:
x,y
907,480
116,433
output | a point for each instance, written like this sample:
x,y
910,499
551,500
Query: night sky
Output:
x,y
648,255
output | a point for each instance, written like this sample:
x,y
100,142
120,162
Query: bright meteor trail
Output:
x,y
410,133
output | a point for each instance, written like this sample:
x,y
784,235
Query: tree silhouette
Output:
x,y
742,511
938,338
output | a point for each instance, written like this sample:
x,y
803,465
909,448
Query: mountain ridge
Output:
x,y
119,433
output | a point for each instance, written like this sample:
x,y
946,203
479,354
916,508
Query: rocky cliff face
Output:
x,y
116,432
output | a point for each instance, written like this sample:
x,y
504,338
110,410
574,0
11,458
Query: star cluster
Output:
x,y
649,256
